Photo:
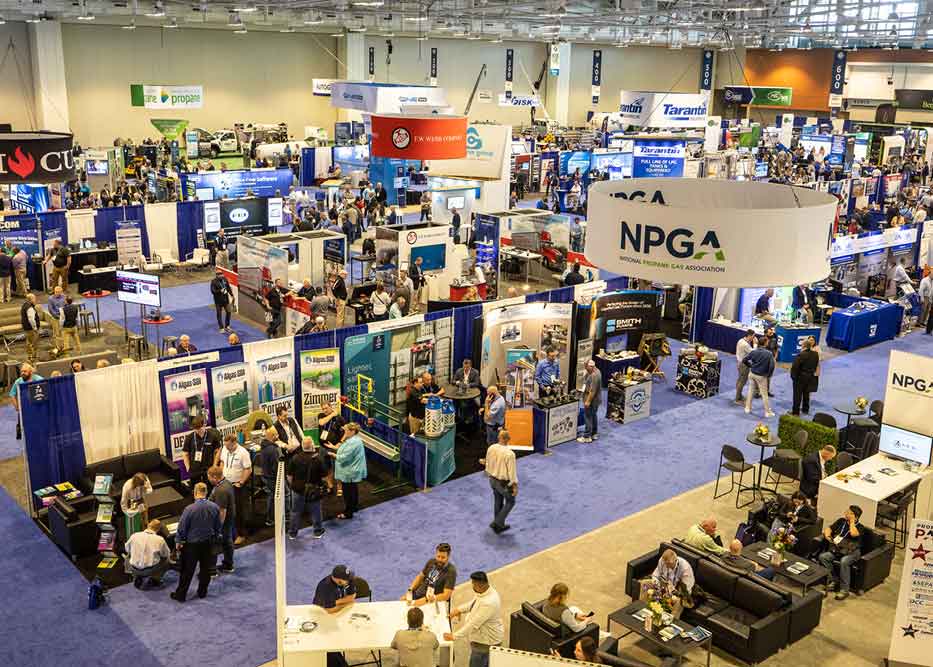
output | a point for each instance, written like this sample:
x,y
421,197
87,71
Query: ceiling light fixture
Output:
x,y
416,19
130,26
421,38
235,21
287,28
313,19
33,19
158,11
240,31
172,23
2,21
369,3
247,8
337,35
86,17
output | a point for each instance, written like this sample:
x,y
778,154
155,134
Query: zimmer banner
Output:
x,y
320,381
712,233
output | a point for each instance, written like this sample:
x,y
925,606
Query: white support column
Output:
x,y
355,55
48,76
562,85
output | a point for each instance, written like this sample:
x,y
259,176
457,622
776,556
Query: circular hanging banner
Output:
x,y
419,137
711,233
36,157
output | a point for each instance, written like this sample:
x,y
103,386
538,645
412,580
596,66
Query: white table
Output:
x,y
525,256
836,495
350,631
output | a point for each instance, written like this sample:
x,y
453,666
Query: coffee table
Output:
x,y
814,574
164,502
678,647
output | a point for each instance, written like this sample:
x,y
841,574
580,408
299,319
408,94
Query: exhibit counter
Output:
x,y
629,398
609,366
723,335
698,377
864,323
555,424
790,339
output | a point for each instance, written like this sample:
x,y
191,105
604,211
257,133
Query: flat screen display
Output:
x,y
139,288
455,203
96,167
204,194
526,241
244,216
434,256
905,445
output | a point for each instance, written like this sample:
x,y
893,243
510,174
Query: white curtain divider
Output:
x,y
263,349
120,409
80,225
162,228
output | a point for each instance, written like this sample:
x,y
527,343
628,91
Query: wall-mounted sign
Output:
x,y
509,70
914,99
554,60
519,100
759,95
166,97
321,87
706,70
36,157
597,75
433,66
419,138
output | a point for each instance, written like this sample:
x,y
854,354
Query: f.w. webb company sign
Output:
x,y
709,232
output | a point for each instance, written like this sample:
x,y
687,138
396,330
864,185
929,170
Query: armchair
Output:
x,y
73,525
608,652
530,630
874,564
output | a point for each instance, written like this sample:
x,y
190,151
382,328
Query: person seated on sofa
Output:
x,y
556,609
843,542
798,514
673,574
702,536
735,559
147,555
135,490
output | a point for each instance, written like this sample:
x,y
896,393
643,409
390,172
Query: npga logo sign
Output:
x,y
679,243
914,385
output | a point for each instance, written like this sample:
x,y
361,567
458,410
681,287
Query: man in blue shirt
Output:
x,y
493,414
198,527
763,306
26,374
337,591
760,362
547,372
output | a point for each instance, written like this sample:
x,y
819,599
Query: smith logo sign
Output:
x,y
914,385
678,242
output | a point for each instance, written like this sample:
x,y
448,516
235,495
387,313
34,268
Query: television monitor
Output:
x,y
204,194
905,445
140,288
434,256
456,203
96,167
211,217
88,243
526,241
245,216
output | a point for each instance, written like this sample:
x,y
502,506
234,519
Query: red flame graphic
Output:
x,y
22,164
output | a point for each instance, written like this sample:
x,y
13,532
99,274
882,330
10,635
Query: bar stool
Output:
x,y
86,316
167,342
135,345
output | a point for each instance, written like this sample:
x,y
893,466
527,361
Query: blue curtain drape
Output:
x,y
464,326
562,295
537,297
437,315
106,219
341,335
190,216
702,311
617,283
52,434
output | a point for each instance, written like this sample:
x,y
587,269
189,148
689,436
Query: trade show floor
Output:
x,y
638,466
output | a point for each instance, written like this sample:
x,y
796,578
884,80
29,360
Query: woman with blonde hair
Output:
x,y
556,609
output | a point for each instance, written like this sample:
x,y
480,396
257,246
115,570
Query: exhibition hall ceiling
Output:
x,y
721,24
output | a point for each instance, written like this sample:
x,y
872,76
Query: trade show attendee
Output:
x,y
771,344
899,277
482,626
339,290
436,580
288,430
803,375
26,374
416,273
274,304
233,339
467,375
307,290
69,324
417,644
19,260
455,222
586,650
135,490
53,309
222,293
320,304
334,593
926,299
414,404
703,536
30,319
547,372
237,466
574,277
798,514
842,541
397,311
394,217
503,478
6,277
592,397
799,298
556,609
760,362
224,496
763,306
425,206
199,449
198,527
734,558
221,253
350,469
77,366
431,388
493,414
268,465
576,235
673,573
813,470
60,256
381,195
380,300
306,474
745,345
147,556
185,346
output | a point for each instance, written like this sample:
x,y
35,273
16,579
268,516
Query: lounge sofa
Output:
x,y
806,536
530,630
73,525
159,468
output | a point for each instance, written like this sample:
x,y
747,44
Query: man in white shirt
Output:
x,y
237,466
147,555
503,478
926,298
745,345
899,276
482,626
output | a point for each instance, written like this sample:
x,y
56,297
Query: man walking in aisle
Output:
x,y
198,527
69,322
237,466
339,290
482,626
745,345
503,478
592,396
60,256
223,300
760,362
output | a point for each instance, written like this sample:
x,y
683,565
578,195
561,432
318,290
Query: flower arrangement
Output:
x,y
660,600
762,431
782,539
861,402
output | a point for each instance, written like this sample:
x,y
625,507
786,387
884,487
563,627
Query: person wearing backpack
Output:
x,y
306,473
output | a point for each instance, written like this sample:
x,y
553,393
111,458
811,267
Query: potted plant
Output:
x,y
762,432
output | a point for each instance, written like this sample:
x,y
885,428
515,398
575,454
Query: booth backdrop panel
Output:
x,y
465,322
189,219
162,227
537,297
561,295
81,224
342,334
121,410
303,343
438,314
702,312
615,283
25,234
52,433
106,219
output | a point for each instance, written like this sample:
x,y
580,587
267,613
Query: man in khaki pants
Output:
x,y
53,313
69,323
60,256
30,319
339,290
6,276
20,259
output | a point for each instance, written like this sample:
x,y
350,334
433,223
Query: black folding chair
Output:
x,y
732,459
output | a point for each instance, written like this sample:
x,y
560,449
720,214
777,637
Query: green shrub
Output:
x,y
819,436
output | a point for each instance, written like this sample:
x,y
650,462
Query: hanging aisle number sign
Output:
x,y
509,65
372,63
597,74
434,66
706,71
555,60
837,80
